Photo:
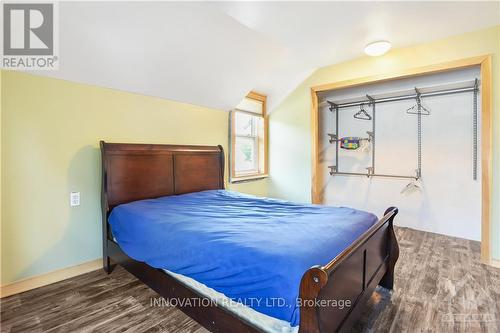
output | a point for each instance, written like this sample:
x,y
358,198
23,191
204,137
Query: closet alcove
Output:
x,y
414,143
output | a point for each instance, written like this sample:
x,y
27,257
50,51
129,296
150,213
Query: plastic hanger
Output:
x,y
362,114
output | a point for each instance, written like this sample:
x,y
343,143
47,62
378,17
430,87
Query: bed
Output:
x,y
168,220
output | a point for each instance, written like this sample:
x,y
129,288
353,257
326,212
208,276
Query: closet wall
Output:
x,y
449,201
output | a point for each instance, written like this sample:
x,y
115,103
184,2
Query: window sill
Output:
x,y
244,179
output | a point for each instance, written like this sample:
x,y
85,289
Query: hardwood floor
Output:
x,y
440,286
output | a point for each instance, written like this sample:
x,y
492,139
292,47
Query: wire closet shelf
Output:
x,y
417,94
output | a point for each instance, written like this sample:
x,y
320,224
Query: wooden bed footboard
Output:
x,y
333,296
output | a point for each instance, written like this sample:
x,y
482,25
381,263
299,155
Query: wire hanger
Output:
x,y
362,114
411,187
418,108
415,185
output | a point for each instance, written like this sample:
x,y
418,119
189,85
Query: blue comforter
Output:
x,y
254,250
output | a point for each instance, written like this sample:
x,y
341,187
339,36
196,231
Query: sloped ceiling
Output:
x,y
212,53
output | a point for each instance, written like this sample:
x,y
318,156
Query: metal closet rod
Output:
x,y
401,98
332,173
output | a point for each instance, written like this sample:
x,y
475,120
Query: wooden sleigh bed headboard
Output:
x,y
133,172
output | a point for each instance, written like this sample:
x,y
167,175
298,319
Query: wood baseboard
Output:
x,y
66,273
48,278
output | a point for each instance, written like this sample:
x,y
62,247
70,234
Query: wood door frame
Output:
x,y
486,130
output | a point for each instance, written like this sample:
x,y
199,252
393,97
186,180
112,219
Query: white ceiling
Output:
x,y
212,53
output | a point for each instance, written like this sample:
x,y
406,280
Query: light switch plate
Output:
x,y
74,199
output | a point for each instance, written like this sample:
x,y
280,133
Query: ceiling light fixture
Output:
x,y
377,48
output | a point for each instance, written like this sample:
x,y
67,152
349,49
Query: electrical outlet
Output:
x,y
74,199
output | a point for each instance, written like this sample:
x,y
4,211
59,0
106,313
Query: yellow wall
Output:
x,y
290,122
50,135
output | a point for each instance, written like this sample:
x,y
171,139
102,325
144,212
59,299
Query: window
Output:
x,y
248,128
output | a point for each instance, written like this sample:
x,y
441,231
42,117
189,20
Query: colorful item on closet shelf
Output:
x,y
350,142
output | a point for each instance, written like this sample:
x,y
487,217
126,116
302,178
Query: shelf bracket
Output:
x,y
333,138
371,99
333,106
369,172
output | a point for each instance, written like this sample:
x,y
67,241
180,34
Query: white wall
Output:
x,y
450,201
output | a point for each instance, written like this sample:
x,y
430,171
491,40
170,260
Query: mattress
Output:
x,y
252,250
264,322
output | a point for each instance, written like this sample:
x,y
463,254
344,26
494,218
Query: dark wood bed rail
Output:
x,y
139,171
389,215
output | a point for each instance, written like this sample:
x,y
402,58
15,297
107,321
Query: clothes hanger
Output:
x,y
418,107
414,185
411,187
365,145
414,110
362,114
